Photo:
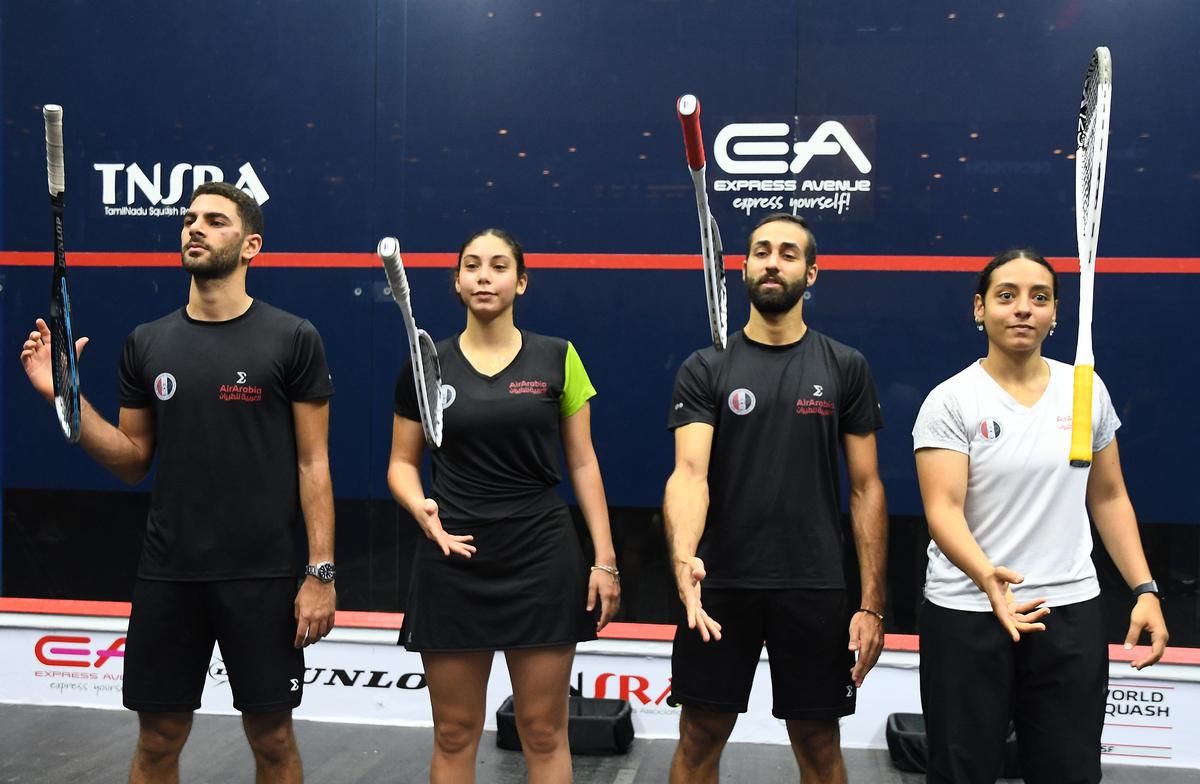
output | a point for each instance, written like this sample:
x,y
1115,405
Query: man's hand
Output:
x,y
688,576
315,605
35,358
866,638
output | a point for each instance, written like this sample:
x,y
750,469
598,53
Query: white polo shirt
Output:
x,y
1025,504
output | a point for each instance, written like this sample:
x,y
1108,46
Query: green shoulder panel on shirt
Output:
x,y
577,387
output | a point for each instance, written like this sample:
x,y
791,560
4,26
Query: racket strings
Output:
x,y
62,367
431,370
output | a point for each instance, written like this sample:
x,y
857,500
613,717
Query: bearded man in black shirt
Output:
x,y
233,396
752,512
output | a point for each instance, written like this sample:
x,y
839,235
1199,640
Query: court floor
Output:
x,y
40,744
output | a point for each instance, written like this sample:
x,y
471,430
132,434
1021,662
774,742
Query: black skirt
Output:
x,y
525,587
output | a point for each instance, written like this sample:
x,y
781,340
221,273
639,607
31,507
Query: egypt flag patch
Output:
x,y
989,429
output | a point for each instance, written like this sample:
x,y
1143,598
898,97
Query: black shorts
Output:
x,y
172,629
807,637
1052,685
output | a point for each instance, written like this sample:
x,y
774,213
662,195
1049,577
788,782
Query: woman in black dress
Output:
x,y
502,568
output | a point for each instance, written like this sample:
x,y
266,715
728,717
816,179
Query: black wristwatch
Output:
x,y
1150,587
325,572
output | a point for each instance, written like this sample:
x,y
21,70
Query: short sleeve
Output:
x,y
577,387
130,391
692,400
308,376
1104,420
405,403
860,409
940,424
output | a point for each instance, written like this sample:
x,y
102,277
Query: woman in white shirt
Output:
x,y
1011,628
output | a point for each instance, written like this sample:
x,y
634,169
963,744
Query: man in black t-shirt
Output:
x,y
752,511
232,396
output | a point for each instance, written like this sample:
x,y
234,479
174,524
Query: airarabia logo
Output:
x,y
825,172
146,192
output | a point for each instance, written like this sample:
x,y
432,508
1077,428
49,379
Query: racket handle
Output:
x,y
389,254
688,109
1081,418
55,169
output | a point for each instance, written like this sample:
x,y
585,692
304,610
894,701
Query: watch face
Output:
x,y
324,572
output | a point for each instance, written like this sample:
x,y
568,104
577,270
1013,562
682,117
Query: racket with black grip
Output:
x,y
63,360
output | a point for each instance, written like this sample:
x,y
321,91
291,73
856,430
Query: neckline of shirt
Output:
x,y
1011,402
201,323
511,364
772,346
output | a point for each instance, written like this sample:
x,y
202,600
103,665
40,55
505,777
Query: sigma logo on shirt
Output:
x,y
240,390
448,394
164,386
989,429
818,390
741,401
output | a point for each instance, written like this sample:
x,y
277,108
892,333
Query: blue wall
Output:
x,y
364,118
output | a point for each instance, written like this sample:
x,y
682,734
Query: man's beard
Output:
x,y
220,263
772,302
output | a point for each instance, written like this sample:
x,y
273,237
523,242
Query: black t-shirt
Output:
x,y
778,413
226,502
501,434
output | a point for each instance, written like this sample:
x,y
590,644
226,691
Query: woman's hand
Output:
x,y
606,587
1017,619
449,543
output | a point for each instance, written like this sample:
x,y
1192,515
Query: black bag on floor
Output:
x,y
910,751
594,726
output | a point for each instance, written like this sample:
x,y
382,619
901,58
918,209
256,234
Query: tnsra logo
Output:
x,y
769,157
161,193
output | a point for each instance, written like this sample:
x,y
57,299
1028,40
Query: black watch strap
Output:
x,y
1150,587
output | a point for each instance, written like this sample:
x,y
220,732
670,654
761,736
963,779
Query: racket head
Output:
x,y
427,375
1091,153
714,286
63,362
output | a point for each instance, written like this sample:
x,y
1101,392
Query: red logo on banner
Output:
x,y
51,649
629,687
